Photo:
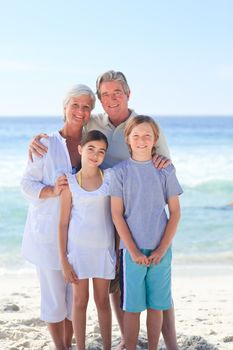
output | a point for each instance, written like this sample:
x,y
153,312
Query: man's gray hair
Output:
x,y
78,90
111,75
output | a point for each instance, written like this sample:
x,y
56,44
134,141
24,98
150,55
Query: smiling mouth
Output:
x,y
114,106
78,117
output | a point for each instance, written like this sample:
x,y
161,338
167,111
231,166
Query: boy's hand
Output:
x,y
160,162
140,258
36,147
156,256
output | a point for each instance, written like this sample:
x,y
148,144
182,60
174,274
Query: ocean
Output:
x,y
201,149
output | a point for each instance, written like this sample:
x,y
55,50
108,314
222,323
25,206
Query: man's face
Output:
x,y
114,100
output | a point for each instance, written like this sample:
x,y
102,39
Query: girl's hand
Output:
x,y
60,184
140,258
156,256
68,272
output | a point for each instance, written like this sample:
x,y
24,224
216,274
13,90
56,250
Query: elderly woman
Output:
x,y
42,184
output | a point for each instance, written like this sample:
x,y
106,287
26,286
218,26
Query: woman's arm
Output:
x,y
122,228
54,191
65,210
32,185
169,233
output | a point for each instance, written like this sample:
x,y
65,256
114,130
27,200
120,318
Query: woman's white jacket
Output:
x,y
40,239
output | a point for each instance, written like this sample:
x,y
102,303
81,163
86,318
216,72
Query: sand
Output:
x,y
203,299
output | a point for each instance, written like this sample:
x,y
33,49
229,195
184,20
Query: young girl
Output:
x,y
86,237
139,196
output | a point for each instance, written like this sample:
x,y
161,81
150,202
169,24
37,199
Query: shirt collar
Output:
x,y
107,121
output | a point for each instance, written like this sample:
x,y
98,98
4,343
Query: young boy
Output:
x,y
140,194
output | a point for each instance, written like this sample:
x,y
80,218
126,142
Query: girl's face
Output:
x,y
141,141
93,153
78,110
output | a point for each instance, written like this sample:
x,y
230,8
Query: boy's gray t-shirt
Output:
x,y
145,191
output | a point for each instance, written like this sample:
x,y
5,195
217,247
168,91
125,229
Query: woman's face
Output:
x,y
78,110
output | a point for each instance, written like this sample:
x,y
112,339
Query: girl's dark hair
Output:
x,y
94,135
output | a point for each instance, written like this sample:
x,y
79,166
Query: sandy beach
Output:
x,y
202,296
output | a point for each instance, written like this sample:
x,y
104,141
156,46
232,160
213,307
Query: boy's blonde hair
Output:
x,y
139,119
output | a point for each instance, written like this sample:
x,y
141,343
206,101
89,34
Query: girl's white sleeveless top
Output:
x,y
91,235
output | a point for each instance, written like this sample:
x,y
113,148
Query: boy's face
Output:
x,y
141,141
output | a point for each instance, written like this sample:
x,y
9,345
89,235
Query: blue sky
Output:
x,y
176,54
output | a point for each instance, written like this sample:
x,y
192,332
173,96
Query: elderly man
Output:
x,y
113,92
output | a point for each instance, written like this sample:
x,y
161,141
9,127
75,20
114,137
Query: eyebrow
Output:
x,y
92,146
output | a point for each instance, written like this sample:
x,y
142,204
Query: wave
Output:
x,y
204,258
210,185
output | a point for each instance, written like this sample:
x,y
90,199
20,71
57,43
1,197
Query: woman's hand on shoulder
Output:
x,y
36,147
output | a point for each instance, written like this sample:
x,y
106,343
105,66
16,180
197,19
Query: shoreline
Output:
x,y
202,297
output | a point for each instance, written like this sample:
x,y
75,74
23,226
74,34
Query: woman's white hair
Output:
x,y
78,90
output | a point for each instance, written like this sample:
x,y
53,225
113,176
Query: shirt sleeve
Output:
x,y
162,146
171,186
116,183
31,183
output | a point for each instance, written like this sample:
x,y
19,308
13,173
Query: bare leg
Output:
x,y
131,329
101,296
115,300
80,301
154,325
169,329
68,333
57,332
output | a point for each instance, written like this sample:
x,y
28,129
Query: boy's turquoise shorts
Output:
x,y
145,287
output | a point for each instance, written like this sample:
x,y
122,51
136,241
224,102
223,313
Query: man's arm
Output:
x,y
162,146
36,147
162,158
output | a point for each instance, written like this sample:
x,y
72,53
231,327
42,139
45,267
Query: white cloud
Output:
x,y
16,66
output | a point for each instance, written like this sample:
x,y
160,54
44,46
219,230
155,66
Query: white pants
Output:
x,y
56,296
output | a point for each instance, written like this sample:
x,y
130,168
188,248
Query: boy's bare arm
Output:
x,y
174,217
122,228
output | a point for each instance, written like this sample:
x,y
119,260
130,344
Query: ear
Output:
x,y
156,138
64,111
128,95
80,149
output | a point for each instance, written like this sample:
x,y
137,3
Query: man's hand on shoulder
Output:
x,y
36,147
161,162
